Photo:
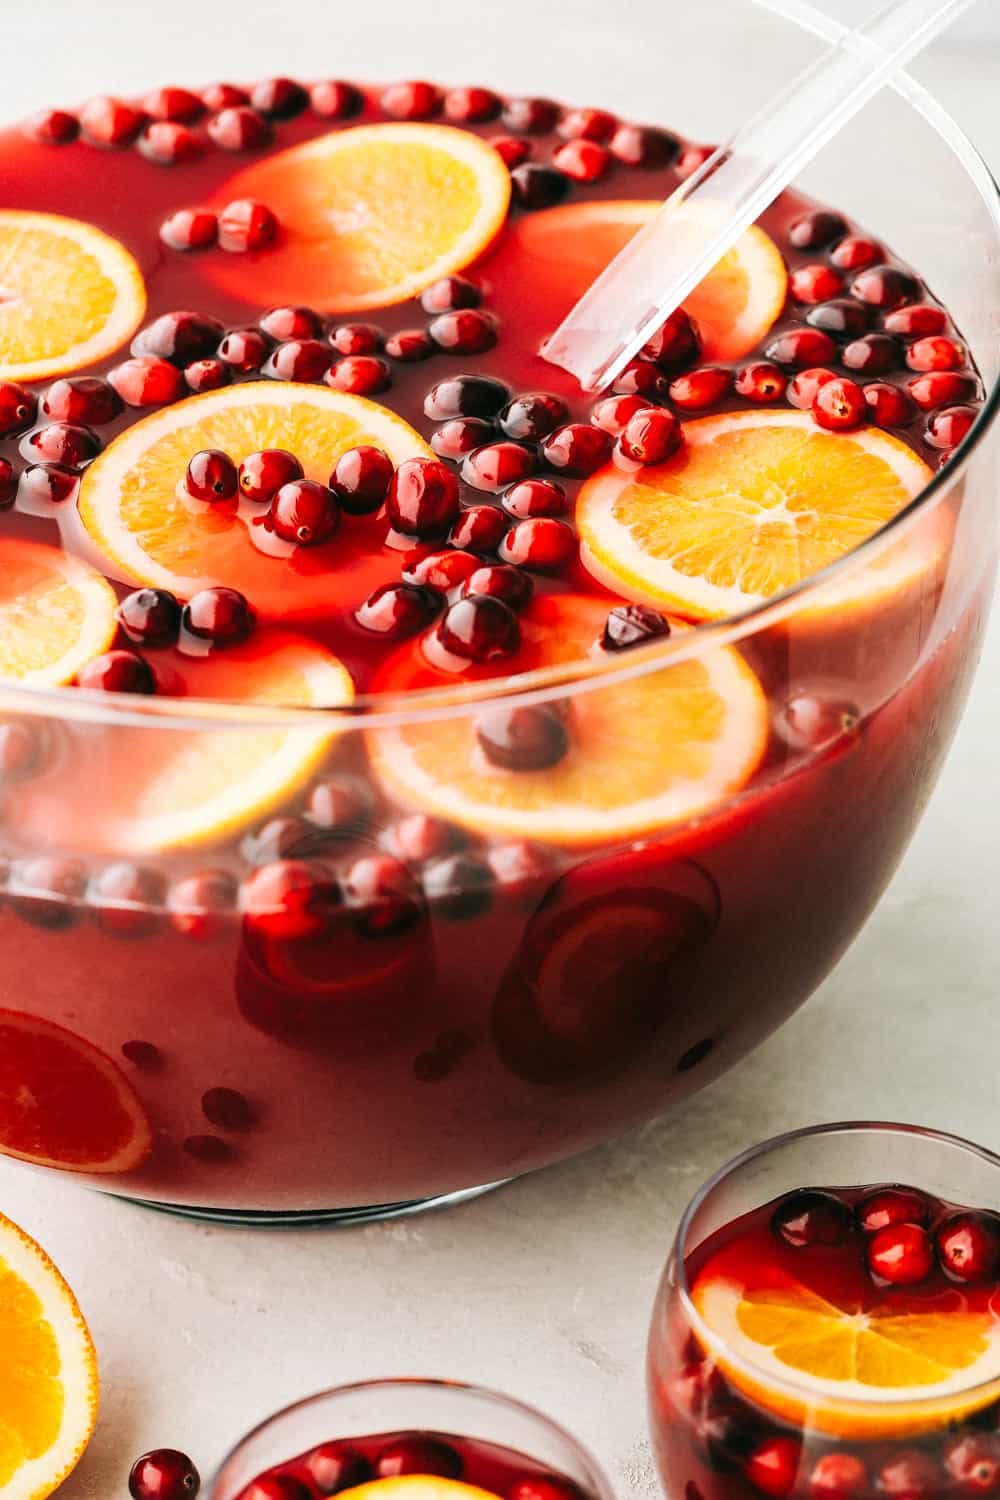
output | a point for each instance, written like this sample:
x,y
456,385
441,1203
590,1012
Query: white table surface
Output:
x,y
542,1289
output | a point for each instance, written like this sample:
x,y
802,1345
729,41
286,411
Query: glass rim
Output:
x,y
384,710
601,1484
736,1164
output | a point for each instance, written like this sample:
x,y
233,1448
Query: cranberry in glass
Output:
x,y
530,116
761,382
412,100
245,349
947,428
207,375
888,406
163,1474
459,886
886,287
333,1467
279,98
972,1460
127,899
501,581
968,1246
651,436
49,483
383,895
117,671
179,336
631,625
198,904
577,449
418,1455
422,497
534,497
900,1254
465,396
919,320
613,413
239,128
441,571
461,435
815,283
398,610
544,544
533,416
246,225
147,381
466,331
838,1476
283,323
892,1205
278,838
143,1055
520,867
802,348
936,353
910,1475
360,375
410,345
512,149
692,159
335,804
275,1486
227,1109
20,750
842,317
773,1466
53,127
537,187
676,343
803,388
190,229
336,100
150,617
419,837
855,253
840,406
583,160
211,476
110,122
587,125
497,465
361,478
814,230
169,144
529,738
699,389
18,407
480,528
644,146
299,359
812,1217
480,628
47,891
811,722
8,483
942,388
356,338
450,293
220,615
642,378
471,106
216,96
65,443
305,512
290,899
874,354
261,475
82,398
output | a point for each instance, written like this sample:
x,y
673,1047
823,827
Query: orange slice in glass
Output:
x,y
55,614
48,1374
69,295
369,216
420,1487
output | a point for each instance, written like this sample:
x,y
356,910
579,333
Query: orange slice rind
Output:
x,y
420,1487
56,613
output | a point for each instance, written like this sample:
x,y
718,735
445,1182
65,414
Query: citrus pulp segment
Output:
x,y
55,614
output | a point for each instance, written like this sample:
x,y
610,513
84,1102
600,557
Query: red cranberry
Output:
x,y
211,476
855,253
498,465
520,868
701,388
290,899
761,382
613,414
441,571
642,378
530,738
48,891
838,1476
513,150
810,723
692,159
968,1245
814,283
471,106
814,230
228,1109
577,449
150,617
465,396
480,628
127,899
110,122
802,348
466,331
459,886
587,125
422,497
168,144
18,407
414,100
535,497
360,375
583,161
117,672
910,1475
333,1467
886,286
480,529
397,610
53,127
544,545
935,353
190,229
501,581
773,1466
651,436
198,904
843,318
942,388
812,1217
210,1150
299,359
410,345
336,100
246,225
8,484
244,349
48,483
919,320
533,416
544,1487
262,475
840,406
418,838
206,375
147,381
901,1254
973,1461
631,625
82,398
643,146
278,838
220,615
383,894
274,1486
305,512
143,1055
20,750
335,805
462,435
64,443
239,128
163,1474
888,406
449,294
279,98
530,116
361,478
947,428
892,1205
418,1455
804,388
283,323
179,337
223,96
356,338
537,187
676,344
175,104
872,355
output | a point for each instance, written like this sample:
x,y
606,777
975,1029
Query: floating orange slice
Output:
x,y
370,215
69,295
48,1375
752,504
420,1487
134,506
64,1104
643,753
55,614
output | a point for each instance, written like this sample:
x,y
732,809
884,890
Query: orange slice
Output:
x,y
752,504
420,1487
370,215
64,1104
569,246
158,786
55,614
48,1375
644,753
133,503
69,295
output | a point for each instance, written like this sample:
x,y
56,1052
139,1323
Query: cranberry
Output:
x,y
190,229
284,323
466,331
290,899
523,739
179,337
612,414
239,128
335,804
383,894
501,581
544,544
244,349
642,378
261,475
245,224
335,99
855,253
147,381
675,345
773,1466
305,512
207,375
127,899
631,625
968,1245
449,294
812,1217
228,1109
533,416
397,610
198,904
901,1254
498,465
220,615
761,382
802,348
814,283
279,98
279,838
178,105
530,116
20,750
535,497
935,353
48,891
413,100
643,146
886,286
333,1467
117,672
169,144
803,389
814,230
223,96
410,345
49,484
462,435
418,838
577,449
543,1487
583,160
520,867
53,127
8,484
942,388
150,617
110,122
299,359
838,1476
356,338
916,321
64,443
973,1461
537,187
471,106
143,1055
211,475
18,407
277,1487
701,388
465,396
587,125
840,406
441,571
513,150
811,723
692,159
892,1205
651,436
480,628
210,1150
910,1475
947,428
843,318
422,497
163,1474
459,886
360,375
480,529
418,1455
888,406
872,355
361,478
81,398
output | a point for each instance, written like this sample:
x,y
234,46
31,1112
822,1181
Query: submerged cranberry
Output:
x,y
910,1475
613,413
838,1476
530,116
279,838
284,323
261,475
198,904
147,381
179,336
972,1459
128,899
812,1217
947,428
773,1466
211,475
216,96
537,187
501,581
418,1455
465,396
245,225
802,348
53,127
529,738
840,406
533,416
228,1109
220,615
577,449
521,868
361,478
18,407
398,610
418,838
449,294
168,144
150,617
422,497
82,398
383,894
459,887
471,106
644,146
761,382
412,100
919,320
874,354
842,317
117,671
815,283
587,125
901,1254
143,1055
892,1205
279,98
64,443
410,345
583,160
8,484
239,128
305,512
461,435
544,544
631,625
442,571
534,497
936,353
20,750
676,344
335,804
207,375
466,331
47,891
886,286
48,483
190,229
336,100
810,723
942,388
337,1466
360,375
480,628
692,159
110,122
513,149
163,1474
481,529
498,465
244,349
290,899
276,1486
968,1245
888,406
855,253
814,230
299,359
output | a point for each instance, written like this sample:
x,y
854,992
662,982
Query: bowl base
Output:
x,y
331,1218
